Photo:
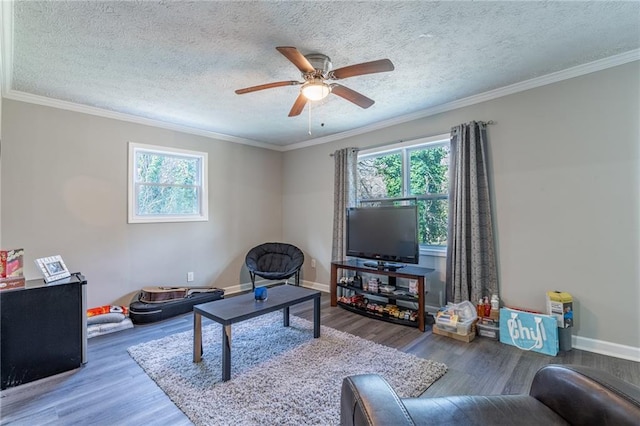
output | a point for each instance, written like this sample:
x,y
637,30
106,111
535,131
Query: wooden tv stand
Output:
x,y
410,272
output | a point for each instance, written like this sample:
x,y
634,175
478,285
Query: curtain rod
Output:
x,y
352,149
488,123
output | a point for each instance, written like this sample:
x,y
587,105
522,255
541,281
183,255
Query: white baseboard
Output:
x,y
238,288
606,348
315,286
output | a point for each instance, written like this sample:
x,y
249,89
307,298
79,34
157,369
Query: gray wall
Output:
x,y
565,167
64,191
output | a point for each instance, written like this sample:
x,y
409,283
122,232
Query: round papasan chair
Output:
x,y
274,261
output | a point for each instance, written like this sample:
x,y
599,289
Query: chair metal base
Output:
x,y
296,275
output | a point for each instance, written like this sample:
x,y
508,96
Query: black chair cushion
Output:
x,y
275,261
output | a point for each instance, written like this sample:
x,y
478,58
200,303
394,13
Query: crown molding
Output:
x,y
6,79
577,71
71,106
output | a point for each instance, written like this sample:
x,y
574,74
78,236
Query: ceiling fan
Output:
x,y
316,71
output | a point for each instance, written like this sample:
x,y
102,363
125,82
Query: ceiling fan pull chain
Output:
x,y
309,103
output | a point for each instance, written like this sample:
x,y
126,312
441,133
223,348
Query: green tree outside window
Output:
x,y
167,184
421,172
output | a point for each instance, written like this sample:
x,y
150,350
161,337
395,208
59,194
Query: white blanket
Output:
x,y
100,329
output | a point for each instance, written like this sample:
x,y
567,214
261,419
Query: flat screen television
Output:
x,y
387,234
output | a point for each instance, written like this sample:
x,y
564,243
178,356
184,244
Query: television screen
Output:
x,y
385,234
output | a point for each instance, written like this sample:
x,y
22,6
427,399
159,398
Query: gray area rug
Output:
x,y
279,375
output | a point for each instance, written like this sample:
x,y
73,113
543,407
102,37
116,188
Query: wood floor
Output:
x,y
112,389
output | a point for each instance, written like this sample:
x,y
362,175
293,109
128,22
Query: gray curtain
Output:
x,y
344,195
471,263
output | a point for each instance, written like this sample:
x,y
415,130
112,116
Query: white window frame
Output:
x,y
203,194
405,148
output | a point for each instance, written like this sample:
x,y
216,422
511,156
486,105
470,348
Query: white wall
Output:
x,y
64,191
1,100
565,169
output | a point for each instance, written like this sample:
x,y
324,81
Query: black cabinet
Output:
x,y
43,329
409,272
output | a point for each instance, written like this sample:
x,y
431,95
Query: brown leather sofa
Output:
x,y
559,395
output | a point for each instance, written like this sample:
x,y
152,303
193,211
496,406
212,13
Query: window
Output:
x,y
167,184
417,169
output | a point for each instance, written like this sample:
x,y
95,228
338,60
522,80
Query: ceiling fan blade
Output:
x,y
267,86
351,95
298,105
296,58
382,65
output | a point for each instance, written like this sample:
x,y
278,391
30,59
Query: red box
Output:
x,y
11,263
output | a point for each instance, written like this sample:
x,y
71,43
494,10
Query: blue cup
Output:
x,y
260,294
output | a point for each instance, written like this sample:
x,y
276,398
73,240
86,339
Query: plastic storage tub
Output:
x,y
466,316
487,330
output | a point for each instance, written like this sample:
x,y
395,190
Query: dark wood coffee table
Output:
x,y
240,308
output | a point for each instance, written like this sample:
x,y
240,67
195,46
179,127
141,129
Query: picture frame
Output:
x,y
53,268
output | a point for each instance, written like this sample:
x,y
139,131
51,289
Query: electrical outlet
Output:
x,y
313,263
189,276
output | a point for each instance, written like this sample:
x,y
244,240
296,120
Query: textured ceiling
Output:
x,y
179,62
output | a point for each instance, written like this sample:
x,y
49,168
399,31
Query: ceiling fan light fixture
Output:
x,y
315,90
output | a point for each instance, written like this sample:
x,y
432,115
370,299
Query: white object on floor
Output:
x,y
106,328
106,318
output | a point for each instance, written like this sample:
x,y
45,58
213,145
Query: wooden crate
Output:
x,y
461,337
